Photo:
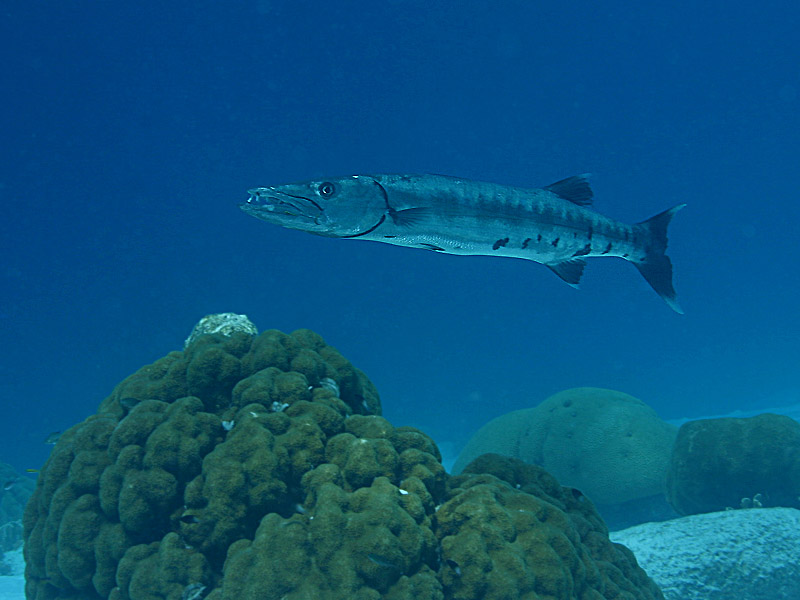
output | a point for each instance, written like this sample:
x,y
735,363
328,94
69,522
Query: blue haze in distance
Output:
x,y
131,131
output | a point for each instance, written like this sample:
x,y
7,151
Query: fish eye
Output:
x,y
326,190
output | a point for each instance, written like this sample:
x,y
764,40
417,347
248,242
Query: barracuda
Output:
x,y
551,225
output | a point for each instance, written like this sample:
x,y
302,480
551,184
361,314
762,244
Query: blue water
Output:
x,y
130,131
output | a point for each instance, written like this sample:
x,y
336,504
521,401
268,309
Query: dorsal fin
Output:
x,y
574,189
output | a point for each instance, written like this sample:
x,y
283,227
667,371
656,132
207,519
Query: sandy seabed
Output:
x,y
12,587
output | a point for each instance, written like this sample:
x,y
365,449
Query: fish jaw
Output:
x,y
287,210
349,207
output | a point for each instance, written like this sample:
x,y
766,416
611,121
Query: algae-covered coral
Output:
x,y
234,470
736,463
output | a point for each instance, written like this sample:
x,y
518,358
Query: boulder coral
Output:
x,y
727,462
611,446
259,467
510,521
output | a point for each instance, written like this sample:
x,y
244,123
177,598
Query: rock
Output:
x,y
730,555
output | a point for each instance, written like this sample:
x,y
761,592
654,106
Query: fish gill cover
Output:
x,y
234,469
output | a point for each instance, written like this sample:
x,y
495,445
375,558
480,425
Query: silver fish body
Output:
x,y
551,225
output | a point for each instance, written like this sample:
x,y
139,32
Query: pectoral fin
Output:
x,y
410,217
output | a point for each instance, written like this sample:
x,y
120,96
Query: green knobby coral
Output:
x,y
246,468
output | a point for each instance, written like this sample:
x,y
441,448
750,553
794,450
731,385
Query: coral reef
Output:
x,y
511,521
735,462
611,446
259,467
15,490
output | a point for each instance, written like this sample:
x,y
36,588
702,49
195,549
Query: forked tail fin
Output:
x,y
656,267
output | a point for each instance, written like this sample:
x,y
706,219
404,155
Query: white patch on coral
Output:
x,y
225,323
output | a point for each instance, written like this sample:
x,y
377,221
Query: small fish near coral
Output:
x,y
551,225
52,438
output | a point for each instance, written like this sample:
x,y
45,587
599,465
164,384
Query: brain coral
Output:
x,y
718,463
250,468
610,445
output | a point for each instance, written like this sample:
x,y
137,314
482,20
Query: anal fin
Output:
x,y
570,270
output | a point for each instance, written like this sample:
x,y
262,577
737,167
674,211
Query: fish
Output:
x,y
553,225
194,591
329,384
189,519
129,402
454,565
52,438
383,561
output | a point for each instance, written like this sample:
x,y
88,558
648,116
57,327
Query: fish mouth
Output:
x,y
269,203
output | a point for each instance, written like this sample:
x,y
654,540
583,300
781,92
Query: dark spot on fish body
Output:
x,y
555,242
583,252
389,237
608,248
499,243
590,232
626,255
525,243
431,247
539,238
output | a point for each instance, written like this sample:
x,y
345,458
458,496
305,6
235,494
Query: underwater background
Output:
x,y
130,132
